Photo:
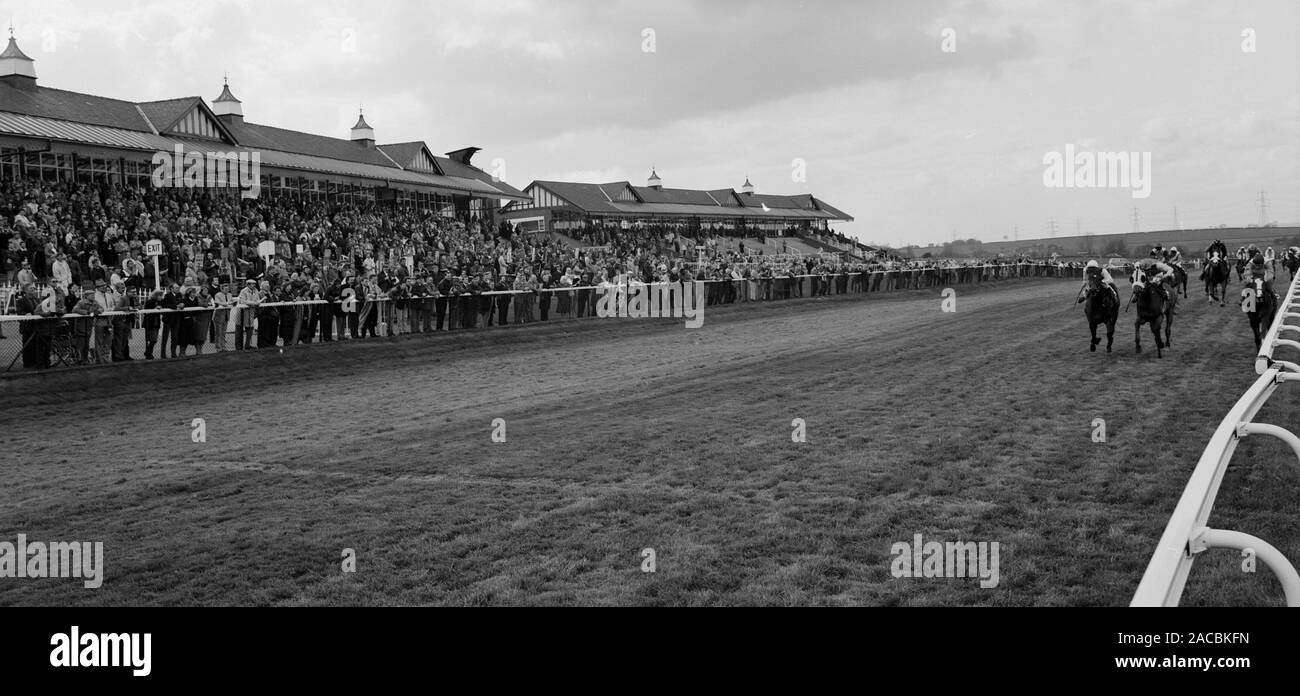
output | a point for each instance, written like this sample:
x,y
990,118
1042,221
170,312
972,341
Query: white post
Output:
x,y
157,277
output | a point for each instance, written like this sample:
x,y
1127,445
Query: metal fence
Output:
x,y
1188,533
38,342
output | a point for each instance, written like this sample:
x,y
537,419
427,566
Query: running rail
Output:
x,y
1188,533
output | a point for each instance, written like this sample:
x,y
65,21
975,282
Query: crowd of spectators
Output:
x,y
80,249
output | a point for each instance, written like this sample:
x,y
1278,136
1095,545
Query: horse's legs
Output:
x,y
1155,331
1092,347
1137,334
1110,333
1169,325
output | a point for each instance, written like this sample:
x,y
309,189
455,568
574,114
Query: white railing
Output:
x,y
1188,532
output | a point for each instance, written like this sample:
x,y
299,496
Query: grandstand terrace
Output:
x,y
563,206
56,135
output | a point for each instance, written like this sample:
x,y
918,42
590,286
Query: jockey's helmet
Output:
x,y
1093,264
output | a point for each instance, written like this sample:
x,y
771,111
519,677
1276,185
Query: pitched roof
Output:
x,y
257,136
603,198
164,114
72,106
588,197
674,195
451,167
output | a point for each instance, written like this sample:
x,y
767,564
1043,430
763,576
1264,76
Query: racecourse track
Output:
x,y
624,434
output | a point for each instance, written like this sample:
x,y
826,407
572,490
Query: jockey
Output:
x,y
1216,247
1257,271
1270,256
1173,256
1158,252
1095,269
1241,254
1158,273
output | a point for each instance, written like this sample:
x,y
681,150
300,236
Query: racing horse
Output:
x,y
1260,311
1217,274
1241,269
1101,306
1153,309
1180,277
1291,261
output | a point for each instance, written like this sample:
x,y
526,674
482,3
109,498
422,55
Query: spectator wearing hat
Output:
x,y
246,306
107,300
502,286
171,301
86,307
123,323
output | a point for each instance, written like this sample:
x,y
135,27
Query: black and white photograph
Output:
x,y
875,304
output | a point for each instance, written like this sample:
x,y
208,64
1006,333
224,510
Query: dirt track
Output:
x,y
628,434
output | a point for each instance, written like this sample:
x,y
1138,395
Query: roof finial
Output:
x,y
11,28
225,77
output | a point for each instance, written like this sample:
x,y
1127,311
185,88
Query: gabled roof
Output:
x,y
588,197
413,155
164,114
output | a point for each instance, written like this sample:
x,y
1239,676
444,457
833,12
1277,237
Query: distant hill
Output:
x,y
1191,242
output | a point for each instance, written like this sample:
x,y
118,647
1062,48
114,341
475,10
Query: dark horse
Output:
x,y
1180,277
1291,261
1101,306
1217,274
1241,269
1259,311
1153,309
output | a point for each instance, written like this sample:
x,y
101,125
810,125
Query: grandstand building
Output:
x,y
56,135
560,206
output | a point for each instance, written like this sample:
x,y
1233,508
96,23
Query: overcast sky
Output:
x,y
918,143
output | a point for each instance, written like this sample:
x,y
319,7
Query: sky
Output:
x,y
926,120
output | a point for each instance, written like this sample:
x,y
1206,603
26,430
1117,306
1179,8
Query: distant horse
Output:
x,y
1153,309
1260,311
1241,269
1101,306
1291,261
1217,274
1180,277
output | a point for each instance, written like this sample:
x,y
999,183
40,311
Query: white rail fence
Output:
x,y
1188,533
